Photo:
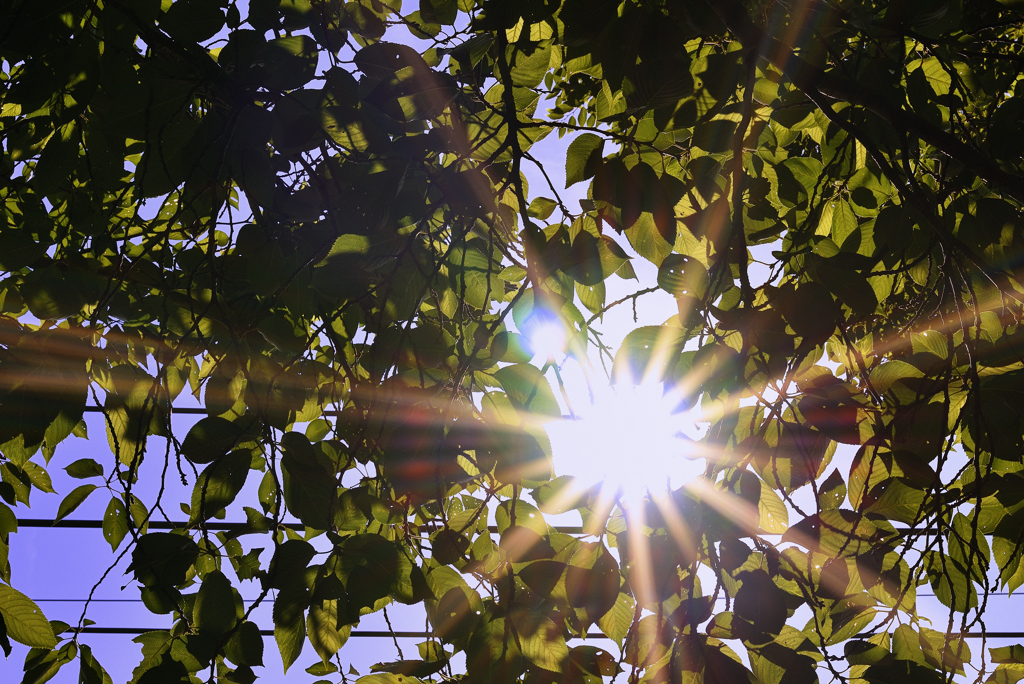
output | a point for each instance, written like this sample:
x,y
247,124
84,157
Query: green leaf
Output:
x,y
564,493
245,646
1008,654
930,342
308,488
19,249
387,678
592,296
849,286
162,559
528,390
616,622
540,640
214,610
192,21
592,579
211,438
648,352
541,207
139,513
290,637
896,499
322,669
520,514
8,521
680,275
73,500
248,566
90,671
649,240
809,310
899,671
45,666
289,563
626,272
773,517
529,68
290,62
542,576
865,653
765,91
844,222
472,275
806,171
219,484
25,623
417,668
582,158
39,478
833,532
439,11
84,468
885,376
377,568
832,492
115,523
325,634
592,259
761,602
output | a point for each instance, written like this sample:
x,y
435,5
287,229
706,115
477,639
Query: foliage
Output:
x,y
285,211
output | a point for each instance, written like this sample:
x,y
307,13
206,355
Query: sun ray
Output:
x,y
641,572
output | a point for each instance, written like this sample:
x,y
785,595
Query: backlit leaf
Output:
x,y
73,500
528,390
25,623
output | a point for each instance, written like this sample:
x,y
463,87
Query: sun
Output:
x,y
634,438
547,340
630,438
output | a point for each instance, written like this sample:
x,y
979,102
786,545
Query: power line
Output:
x,y
334,413
228,526
216,526
428,635
153,524
95,600
269,632
200,411
264,632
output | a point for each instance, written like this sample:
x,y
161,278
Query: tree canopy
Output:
x,y
324,235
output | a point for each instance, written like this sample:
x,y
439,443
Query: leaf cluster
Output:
x,y
321,233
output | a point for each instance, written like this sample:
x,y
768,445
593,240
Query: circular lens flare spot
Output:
x,y
547,339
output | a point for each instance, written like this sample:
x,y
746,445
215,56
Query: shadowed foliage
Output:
x,y
324,235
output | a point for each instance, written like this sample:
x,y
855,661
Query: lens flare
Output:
x,y
630,439
548,339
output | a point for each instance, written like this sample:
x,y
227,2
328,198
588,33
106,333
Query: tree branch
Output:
x,y
809,78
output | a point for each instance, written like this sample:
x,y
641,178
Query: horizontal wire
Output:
x,y
264,632
227,526
82,600
224,526
429,635
198,411
334,413
95,600
153,524
269,632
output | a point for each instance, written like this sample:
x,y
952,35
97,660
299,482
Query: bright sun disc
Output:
x,y
630,439
548,340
